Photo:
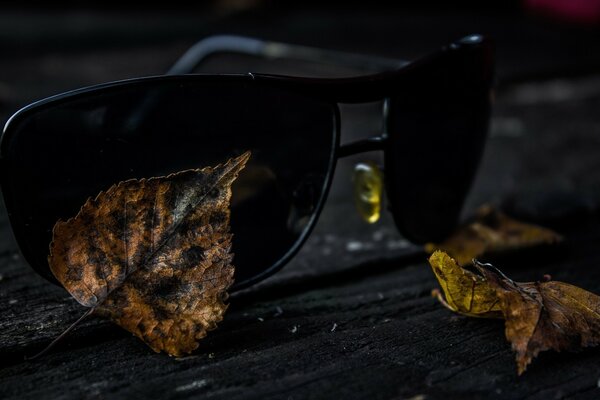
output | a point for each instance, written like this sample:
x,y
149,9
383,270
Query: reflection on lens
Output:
x,y
368,191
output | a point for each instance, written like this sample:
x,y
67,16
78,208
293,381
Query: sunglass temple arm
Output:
x,y
275,50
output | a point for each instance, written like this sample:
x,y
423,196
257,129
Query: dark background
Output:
x,y
351,316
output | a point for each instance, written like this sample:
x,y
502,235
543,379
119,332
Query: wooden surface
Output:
x,y
351,316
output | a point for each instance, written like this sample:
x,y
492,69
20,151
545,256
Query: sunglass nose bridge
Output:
x,y
367,188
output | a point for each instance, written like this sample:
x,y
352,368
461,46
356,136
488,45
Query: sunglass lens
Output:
x,y
437,129
59,154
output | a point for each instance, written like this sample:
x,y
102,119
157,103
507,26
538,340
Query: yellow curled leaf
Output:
x,y
465,292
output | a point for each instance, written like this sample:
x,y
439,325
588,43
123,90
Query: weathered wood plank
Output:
x,y
351,316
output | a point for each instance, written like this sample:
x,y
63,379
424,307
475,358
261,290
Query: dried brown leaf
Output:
x,y
153,255
544,315
492,232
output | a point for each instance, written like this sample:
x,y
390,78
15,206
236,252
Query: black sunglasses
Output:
x,y
57,152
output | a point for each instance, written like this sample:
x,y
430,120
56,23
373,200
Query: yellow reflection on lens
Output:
x,y
368,191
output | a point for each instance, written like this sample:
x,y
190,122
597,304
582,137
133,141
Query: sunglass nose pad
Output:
x,y
368,184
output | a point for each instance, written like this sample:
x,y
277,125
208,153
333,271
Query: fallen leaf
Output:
x,y
153,255
466,292
544,315
492,232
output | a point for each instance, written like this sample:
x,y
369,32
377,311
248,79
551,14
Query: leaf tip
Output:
x,y
241,160
522,363
440,260
439,257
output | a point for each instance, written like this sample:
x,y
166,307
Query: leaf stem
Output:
x,y
438,295
62,335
